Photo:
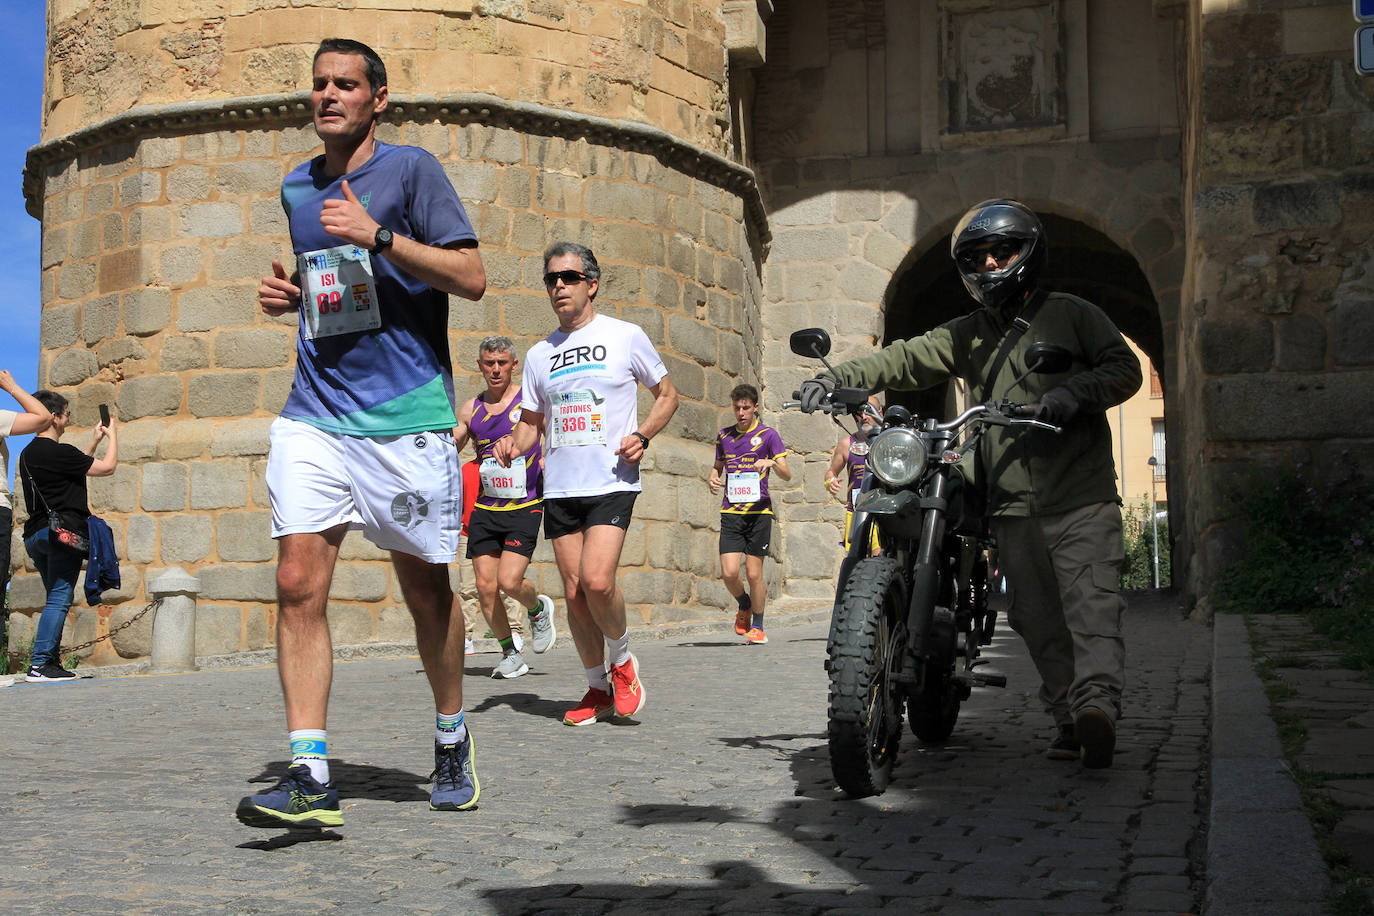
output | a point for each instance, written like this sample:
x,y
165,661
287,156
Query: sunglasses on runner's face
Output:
x,y
971,258
569,277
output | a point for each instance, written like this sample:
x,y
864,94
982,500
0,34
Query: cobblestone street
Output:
x,y
118,793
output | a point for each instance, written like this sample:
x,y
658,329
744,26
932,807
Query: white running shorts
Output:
x,y
403,492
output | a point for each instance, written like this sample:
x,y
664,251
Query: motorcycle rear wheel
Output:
x,y
865,714
935,710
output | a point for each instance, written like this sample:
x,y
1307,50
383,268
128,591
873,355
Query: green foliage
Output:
x,y
1308,550
1139,569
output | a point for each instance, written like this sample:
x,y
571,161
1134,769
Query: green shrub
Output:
x,y
1139,569
1309,549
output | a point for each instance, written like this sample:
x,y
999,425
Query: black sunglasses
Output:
x,y
971,258
569,277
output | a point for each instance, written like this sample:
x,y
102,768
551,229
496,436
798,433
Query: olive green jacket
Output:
x,y
1027,471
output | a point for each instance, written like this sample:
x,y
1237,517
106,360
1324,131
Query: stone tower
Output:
x,y
167,128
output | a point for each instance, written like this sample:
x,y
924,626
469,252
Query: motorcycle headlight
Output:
x,y
897,456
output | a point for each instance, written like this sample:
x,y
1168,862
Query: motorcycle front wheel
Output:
x,y
865,714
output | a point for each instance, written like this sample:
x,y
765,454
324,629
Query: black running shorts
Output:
x,y
577,513
746,533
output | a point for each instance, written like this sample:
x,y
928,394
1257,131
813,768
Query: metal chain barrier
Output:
x,y
99,639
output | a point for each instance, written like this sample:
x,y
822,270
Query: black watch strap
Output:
x,y
642,438
381,241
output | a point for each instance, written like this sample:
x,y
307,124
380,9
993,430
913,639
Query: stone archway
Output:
x,y
1082,261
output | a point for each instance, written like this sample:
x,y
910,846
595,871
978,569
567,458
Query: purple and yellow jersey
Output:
x,y
857,465
395,378
739,452
486,427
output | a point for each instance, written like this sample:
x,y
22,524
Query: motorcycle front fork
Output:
x,y
933,625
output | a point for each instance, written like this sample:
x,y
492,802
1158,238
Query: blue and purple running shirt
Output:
x,y
396,378
746,488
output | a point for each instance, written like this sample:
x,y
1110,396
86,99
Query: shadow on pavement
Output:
x,y
527,703
735,887
361,780
291,838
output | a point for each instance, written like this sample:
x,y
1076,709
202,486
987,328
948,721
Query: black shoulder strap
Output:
x,y
33,484
1019,325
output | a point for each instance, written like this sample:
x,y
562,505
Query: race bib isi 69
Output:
x,y
578,418
338,294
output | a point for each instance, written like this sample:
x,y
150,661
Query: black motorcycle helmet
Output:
x,y
999,220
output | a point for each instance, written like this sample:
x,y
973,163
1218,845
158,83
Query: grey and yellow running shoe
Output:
x,y
455,776
297,801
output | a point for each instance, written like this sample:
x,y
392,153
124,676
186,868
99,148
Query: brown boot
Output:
x,y
1097,734
1065,745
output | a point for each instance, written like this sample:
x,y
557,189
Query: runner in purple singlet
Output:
x,y
851,456
504,526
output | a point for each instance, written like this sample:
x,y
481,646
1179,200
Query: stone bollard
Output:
x,y
174,626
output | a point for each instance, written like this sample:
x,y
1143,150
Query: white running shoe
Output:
x,y
543,633
512,664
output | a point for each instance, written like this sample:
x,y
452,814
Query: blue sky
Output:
x,y
20,278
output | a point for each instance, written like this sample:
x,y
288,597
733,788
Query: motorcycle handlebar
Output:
x,y
991,414
986,413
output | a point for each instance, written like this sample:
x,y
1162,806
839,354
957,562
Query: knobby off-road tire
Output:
x,y
865,714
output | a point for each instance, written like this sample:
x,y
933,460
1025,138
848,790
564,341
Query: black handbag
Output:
x,y
61,535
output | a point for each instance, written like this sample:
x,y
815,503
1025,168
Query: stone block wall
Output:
x,y
153,249
1279,278
659,63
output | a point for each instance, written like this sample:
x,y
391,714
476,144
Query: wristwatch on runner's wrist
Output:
x,y
381,242
642,438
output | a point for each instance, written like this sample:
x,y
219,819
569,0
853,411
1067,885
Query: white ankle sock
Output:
x,y
618,650
309,746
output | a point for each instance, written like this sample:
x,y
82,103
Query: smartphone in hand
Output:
x,y
104,414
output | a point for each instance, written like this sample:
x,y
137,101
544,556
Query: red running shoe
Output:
x,y
629,692
756,637
742,621
596,706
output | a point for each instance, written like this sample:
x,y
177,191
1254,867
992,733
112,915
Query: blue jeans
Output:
x,y
59,570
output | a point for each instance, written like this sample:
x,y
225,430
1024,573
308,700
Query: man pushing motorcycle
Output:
x,y
1052,498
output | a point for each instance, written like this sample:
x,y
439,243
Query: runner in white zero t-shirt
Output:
x,y
580,386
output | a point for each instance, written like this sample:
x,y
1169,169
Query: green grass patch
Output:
x,y
1309,549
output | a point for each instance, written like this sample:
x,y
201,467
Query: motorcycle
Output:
x,y
912,612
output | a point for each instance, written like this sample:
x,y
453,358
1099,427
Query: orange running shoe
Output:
x,y
756,636
629,692
596,706
742,621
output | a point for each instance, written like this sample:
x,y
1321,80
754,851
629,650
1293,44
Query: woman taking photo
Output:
x,y
33,419
53,475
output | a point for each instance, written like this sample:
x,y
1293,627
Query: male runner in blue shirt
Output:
x,y
364,441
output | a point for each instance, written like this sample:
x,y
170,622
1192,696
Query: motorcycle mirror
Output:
x,y
810,342
1048,358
